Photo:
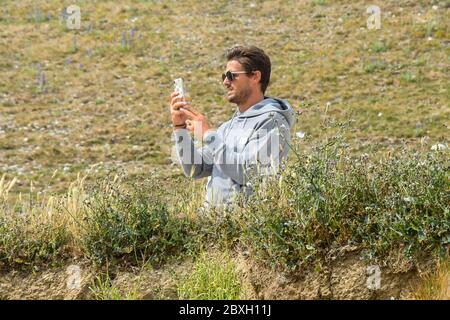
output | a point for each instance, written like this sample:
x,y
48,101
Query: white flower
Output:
x,y
300,134
439,146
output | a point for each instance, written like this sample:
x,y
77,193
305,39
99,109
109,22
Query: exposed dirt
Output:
x,y
346,277
56,283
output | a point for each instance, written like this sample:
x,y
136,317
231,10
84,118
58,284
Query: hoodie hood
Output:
x,y
269,105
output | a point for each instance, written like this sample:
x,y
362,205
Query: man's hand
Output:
x,y
196,122
177,101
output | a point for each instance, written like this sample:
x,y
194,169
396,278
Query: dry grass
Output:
x,y
436,286
37,227
112,113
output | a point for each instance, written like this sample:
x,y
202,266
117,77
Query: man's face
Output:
x,y
240,89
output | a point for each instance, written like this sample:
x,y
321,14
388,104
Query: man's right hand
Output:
x,y
177,101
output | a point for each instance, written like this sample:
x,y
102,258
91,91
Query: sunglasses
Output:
x,y
232,75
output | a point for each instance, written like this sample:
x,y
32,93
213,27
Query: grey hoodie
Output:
x,y
251,143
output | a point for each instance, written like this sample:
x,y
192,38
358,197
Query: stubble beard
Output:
x,y
240,97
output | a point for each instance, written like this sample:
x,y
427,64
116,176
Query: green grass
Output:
x,y
33,231
102,288
25,244
380,46
213,278
134,223
319,2
408,77
375,65
99,101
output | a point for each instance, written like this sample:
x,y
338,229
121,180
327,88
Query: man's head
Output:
x,y
252,67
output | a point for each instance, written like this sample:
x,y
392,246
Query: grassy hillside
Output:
x,y
85,137
105,106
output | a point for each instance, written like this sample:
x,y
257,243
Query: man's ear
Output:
x,y
257,75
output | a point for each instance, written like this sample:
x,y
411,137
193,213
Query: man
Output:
x,y
250,144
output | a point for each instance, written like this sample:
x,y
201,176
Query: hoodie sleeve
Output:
x,y
190,158
262,153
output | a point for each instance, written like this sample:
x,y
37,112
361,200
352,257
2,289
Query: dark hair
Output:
x,y
252,59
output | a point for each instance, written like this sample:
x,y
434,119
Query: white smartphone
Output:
x,y
179,86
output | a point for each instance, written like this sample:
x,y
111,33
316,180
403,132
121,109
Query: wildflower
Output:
x,y
300,134
408,199
132,33
41,82
438,147
124,40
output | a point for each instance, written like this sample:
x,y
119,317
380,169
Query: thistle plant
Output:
x,y
128,43
124,41
132,33
42,82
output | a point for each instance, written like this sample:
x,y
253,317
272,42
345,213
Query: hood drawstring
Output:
x,y
230,126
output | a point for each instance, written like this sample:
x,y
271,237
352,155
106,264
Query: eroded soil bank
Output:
x,y
345,277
